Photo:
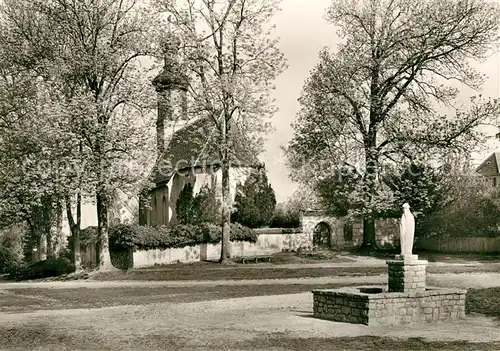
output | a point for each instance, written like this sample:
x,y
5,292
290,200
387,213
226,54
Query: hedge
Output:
x,y
8,260
283,230
44,269
137,237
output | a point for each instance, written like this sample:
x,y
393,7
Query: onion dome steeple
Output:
x,y
171,76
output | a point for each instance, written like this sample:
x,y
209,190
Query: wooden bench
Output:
x,y
255,259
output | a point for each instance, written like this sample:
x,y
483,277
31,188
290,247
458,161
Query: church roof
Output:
x,y
490,166
195,146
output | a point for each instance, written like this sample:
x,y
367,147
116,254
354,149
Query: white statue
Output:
x,y
407,231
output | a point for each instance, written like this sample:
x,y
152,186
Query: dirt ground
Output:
x,y
253,322
203,324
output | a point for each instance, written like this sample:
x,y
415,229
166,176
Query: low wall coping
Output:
x,y
354,292
282,231
407,262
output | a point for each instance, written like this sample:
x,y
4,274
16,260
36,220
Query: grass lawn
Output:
x,y
367,343
237,272
484,301
38,337
214,271
23,300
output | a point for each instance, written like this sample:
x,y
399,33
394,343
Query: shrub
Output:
x,y
122,258
211,233
185,235
89,235
474,211
202,208
47,268
285,219
11,238
255,201
242,233
9,261
206,206
277,230
124,237
185,205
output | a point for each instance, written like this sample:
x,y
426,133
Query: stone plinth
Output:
x,y
406,274
406,257
375,306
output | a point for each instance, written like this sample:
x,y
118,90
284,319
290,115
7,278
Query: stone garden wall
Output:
x,y
146,258
346,233
266,244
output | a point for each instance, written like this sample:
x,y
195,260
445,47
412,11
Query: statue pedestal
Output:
x,y
406,274
406,257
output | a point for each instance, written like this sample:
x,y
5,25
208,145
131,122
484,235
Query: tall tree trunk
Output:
x,y
31,245
42,247
77,252
371,154
104,257
75,230
371,172
226,215
226,196
369,240
35,248
47,214
49,244
58,236
49,241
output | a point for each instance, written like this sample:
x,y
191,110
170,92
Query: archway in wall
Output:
x,y
321,236
316,225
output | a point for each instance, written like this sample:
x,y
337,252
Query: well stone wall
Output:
x,y
352,306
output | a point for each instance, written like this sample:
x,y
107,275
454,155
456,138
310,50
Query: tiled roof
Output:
x,y
195,145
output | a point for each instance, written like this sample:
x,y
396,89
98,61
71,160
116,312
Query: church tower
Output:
x,y
171,86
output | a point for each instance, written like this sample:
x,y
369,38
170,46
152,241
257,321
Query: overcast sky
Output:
x,y
303,32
